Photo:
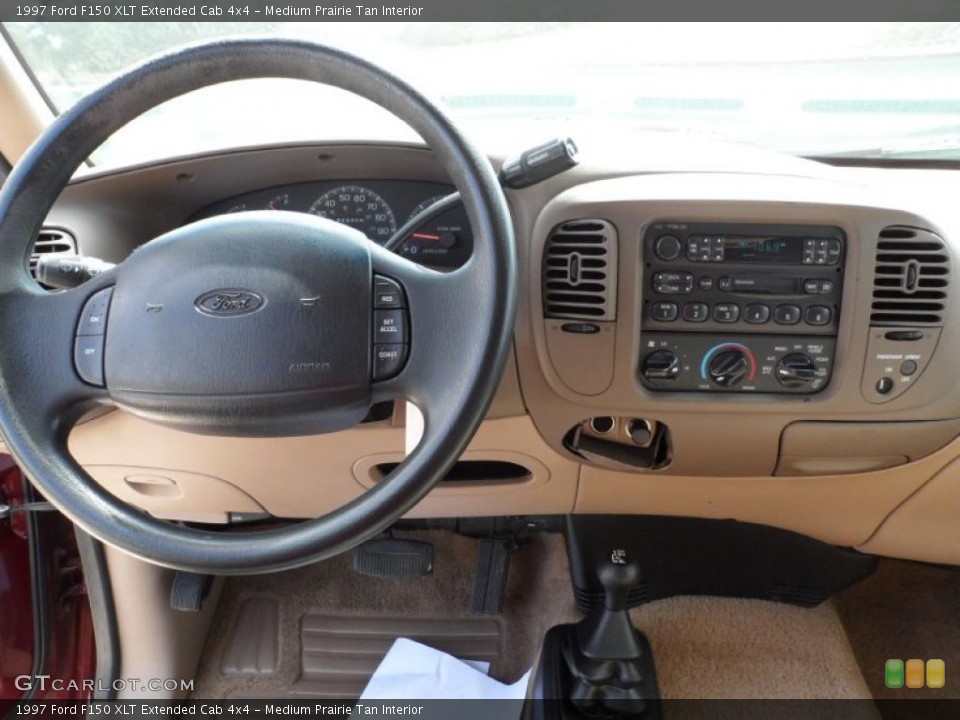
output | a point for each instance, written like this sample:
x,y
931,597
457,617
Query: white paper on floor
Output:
x,y
411,671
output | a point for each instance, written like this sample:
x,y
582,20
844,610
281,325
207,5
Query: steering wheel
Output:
x,y
254,324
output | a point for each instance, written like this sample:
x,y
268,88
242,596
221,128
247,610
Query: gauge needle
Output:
x,y
425,236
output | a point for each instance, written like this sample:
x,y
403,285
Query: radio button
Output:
x,y
811,287
726,312
667,247
705,283
664,311
673,283
833,252
826,287
786,315
818,315
725,283
756,313
696,312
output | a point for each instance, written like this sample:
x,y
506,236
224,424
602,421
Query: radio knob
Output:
x,y
667,247
661,366
728,367
796,370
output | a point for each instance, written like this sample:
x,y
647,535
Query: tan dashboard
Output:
x,y
846,462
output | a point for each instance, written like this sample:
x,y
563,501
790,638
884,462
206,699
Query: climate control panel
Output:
x,y
695,362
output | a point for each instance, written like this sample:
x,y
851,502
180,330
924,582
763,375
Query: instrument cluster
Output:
x,y
377,208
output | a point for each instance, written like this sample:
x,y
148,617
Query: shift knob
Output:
x,y
617,579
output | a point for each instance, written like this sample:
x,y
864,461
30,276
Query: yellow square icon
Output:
x,y
936,673
914,673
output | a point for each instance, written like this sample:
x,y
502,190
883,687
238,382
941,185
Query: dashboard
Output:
x,y
377,208
735,335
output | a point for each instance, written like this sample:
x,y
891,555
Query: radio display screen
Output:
x,y
788,250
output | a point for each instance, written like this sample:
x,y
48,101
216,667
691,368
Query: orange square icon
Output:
x,y
936,673
915,673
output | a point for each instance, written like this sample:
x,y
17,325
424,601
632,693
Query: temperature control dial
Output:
x,y
661,366
728,368
796,370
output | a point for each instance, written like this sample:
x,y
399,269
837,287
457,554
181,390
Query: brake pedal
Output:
x,y
189,590
387,557
490,575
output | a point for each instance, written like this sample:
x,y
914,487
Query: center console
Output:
x,y
740,308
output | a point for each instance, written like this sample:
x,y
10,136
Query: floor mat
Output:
x,y
538,596
704,647
339,654
708,647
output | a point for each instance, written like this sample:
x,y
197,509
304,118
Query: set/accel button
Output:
x,y
391,331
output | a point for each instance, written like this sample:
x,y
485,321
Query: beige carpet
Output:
x,y
703,647
728,648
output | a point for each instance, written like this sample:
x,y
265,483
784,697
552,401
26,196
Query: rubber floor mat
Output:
x,y
339,654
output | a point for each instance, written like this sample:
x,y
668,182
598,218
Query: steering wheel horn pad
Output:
x,y
165,367
254,324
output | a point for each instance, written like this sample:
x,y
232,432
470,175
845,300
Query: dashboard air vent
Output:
x,y
51,241
911,278
580,271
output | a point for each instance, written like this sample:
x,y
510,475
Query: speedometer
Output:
x,y
360,208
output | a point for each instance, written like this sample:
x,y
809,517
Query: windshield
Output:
x,y
889,90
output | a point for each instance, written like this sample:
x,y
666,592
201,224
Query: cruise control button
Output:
x,y
389,326
387,294
786,315
93,319
88,358
726,312
696,312
756,313
388,360
663,311
818,315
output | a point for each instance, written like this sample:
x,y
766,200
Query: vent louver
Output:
x,y
580,271
51,241
911,278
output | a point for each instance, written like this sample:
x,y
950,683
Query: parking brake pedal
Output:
x,y
387,557
490,577
189,590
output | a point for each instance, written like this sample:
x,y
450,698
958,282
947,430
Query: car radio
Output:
x,y
740,308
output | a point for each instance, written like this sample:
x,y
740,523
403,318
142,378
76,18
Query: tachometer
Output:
x,y
360,208
424,205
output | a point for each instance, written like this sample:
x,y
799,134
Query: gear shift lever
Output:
x,y
606,633
600,666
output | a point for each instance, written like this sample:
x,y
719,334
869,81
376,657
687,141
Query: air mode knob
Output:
x,y
796,370
661,366
728,368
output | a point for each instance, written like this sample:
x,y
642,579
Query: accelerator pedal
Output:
x,y
387,557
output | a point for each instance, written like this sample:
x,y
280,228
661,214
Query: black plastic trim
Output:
x,y
96,576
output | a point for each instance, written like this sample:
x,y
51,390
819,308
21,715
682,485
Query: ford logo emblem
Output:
x,y
229,303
